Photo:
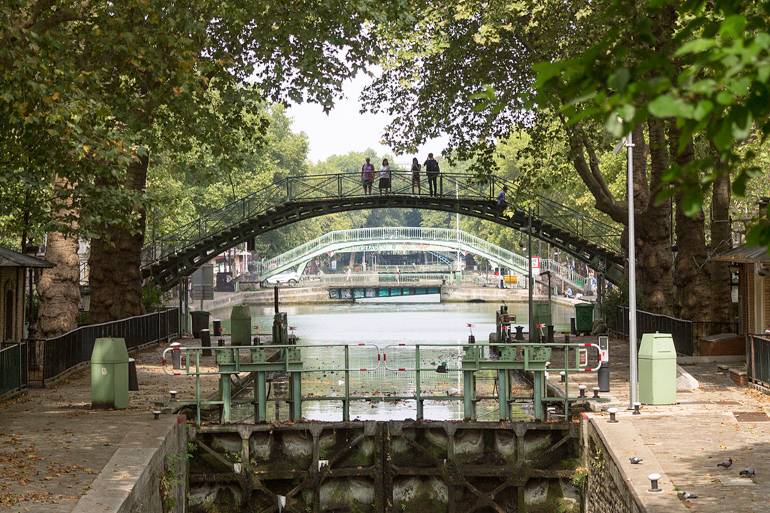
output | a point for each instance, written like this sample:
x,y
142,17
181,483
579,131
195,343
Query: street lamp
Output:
x,y
628,142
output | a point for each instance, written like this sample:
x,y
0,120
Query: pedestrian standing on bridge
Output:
x,y
367,176
432,170
501,198
415,175
385,176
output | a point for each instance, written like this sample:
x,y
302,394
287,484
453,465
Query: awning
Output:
x,y
744,255
10,258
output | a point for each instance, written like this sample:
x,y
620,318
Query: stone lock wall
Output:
x,y
605,489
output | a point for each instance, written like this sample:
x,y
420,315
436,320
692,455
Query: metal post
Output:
x,y
260,396
503,387
469,396
224,386
186,304
346,399
418,393
537,394
529,274
197,388
631,277
295,387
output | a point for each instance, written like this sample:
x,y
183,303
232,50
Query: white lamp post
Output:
x,y
632,380
628,142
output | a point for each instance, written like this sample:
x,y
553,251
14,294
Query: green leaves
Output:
x,y
669,106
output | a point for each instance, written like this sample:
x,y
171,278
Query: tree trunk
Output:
x,y
59,286
653,226
691,278
115,261
653,233
721,240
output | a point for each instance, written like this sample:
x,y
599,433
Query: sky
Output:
x,y
344,129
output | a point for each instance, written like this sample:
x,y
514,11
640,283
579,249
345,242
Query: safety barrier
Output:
x,y
681,330
402,372
13,368
49,358
758,359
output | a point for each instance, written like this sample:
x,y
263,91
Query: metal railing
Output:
x,y
348,185
366,372
51,357
681,330
13,368
377,278
758,359
705,328
445,237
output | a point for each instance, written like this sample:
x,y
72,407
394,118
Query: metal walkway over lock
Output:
x,y
357,363
412,238
167,260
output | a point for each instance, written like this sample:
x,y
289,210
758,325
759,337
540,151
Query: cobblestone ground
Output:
x,y
707,426
52,445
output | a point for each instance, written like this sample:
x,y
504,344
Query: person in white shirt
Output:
x,y
384,177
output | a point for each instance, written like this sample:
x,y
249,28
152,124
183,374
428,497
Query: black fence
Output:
x,y
758,359
13,369
681,330
53,356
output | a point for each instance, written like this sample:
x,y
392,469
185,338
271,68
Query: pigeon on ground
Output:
x,y
635,460
726,464
748,472
687,495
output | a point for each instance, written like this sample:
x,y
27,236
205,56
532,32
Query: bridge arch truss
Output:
x,y
167,260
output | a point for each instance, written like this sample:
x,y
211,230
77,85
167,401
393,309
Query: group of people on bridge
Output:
x,y
432,171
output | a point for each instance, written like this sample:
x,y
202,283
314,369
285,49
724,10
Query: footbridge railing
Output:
x,y
410,236
317,192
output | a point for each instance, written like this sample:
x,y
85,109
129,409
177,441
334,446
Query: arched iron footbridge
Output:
x,y
409,238
167,260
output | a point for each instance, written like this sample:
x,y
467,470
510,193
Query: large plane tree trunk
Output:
x,y
59,286
653,232
115,261
691,276
721,240
653,227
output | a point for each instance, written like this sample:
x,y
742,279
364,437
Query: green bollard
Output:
x,y
240,326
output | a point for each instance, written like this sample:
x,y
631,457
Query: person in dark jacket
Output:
x,y
432,170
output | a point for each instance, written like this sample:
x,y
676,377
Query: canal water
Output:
x,y
383,368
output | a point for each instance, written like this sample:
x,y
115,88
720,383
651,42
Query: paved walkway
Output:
x,y
708,426
52,445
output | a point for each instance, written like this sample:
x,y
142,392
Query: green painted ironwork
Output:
x,y
473,358
583,235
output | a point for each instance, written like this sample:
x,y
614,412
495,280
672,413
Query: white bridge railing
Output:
x,y
446,238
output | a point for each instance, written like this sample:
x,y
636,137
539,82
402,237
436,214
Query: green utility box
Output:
x,y
109,374
657,369
541,311
240,326
584,317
